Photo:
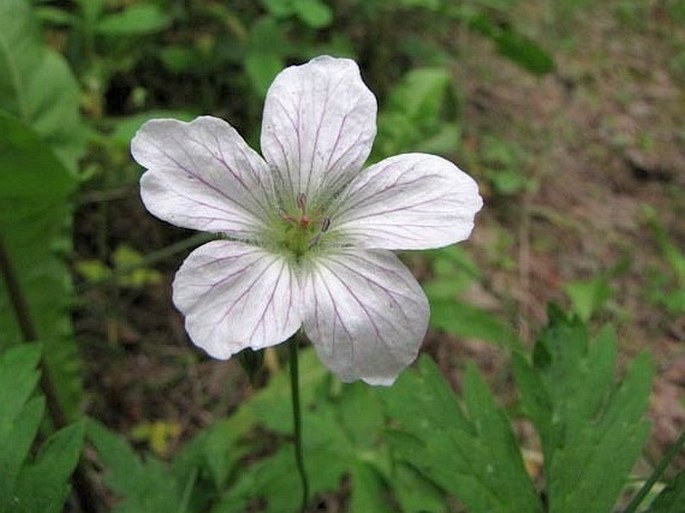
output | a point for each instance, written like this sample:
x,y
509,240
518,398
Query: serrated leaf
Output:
x,y
43,486
472,453
592,430
35,210
36,84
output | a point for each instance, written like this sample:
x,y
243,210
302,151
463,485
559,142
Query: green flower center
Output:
x,y
301,232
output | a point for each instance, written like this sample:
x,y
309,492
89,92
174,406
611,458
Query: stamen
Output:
x,y
285,216
302,202
326,224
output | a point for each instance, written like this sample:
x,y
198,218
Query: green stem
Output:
x,y
672,452
297,418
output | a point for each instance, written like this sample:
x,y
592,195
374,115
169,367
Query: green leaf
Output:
x,y
36,84
264,57
471,453
18,378
465,320
138,19
16,444
43,486
514,46
420,115
592,430
588,296
672,498
146,487
368,490
261,68
35,209
314,13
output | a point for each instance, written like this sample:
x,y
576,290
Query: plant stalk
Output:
x,y
297,418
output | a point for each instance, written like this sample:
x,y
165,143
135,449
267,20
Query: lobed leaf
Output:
x,y
470,453
592,430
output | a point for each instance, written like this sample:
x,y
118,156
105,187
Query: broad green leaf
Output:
x,y
35,210
261,68
36,84
18,378
138,19
16,444
264,55
592,429
672,498
470,453
43,486
313,13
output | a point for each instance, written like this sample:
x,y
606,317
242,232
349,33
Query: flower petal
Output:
x,y
318,127
365,314
411,201
202,175
234,296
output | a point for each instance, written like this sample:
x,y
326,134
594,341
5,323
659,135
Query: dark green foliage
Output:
x,y
42,137
31,484
592,429
469,451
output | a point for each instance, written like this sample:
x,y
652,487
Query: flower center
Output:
x,y
303,230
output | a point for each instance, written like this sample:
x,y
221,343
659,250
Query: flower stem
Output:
x,y
297,417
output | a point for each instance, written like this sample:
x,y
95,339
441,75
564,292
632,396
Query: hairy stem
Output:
x,y
82,485
297,417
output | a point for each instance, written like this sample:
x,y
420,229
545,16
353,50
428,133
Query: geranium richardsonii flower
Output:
x,y
306,231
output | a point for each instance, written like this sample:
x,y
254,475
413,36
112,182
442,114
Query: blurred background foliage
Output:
x,y
570,114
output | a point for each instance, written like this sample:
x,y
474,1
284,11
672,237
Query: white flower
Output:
x,y
306,231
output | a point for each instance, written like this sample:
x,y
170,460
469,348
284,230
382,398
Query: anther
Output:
x,y
285,216
301,201
326,224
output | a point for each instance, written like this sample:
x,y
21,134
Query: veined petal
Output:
x,y
365,314
202,175
318,127
234,296
411,201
